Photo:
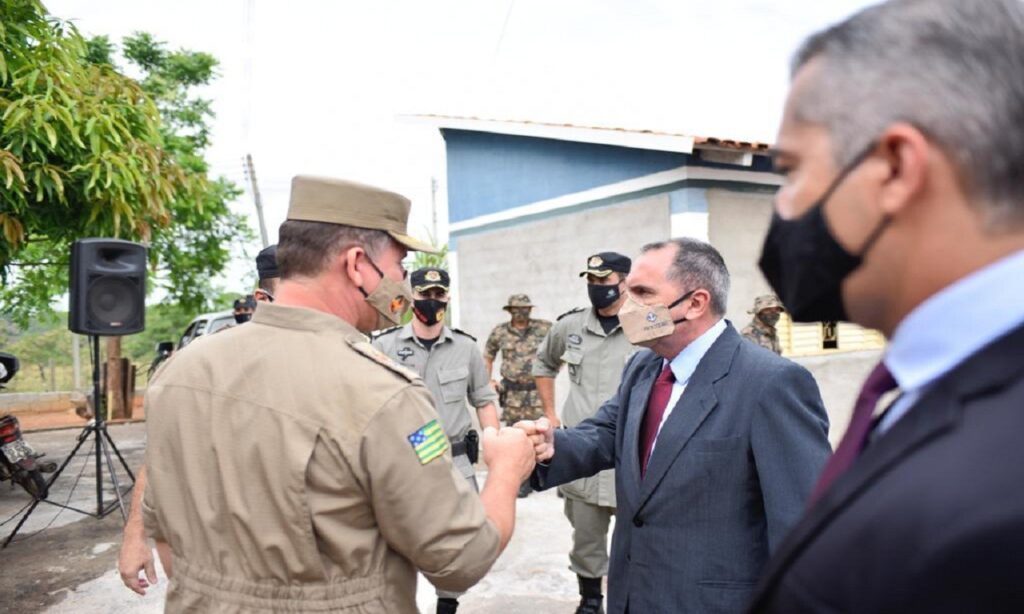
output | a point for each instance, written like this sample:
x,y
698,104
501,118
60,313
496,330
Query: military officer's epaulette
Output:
x,y
382,359
462,332
386,331
570,312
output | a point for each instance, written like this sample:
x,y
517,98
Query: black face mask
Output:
x,y
242,318
603,296
430,311
804,263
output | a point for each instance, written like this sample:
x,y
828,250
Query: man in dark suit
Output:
x,y
920,233
716,443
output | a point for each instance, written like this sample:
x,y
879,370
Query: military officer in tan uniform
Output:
x,y
450,364
292,466
592,344
761,330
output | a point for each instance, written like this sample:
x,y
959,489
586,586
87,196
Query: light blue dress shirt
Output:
x,y
950,326
683,366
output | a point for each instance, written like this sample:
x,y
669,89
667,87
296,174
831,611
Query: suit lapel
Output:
x,y
935,415
690,411
642,389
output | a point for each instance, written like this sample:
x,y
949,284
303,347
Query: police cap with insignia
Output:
x,y
336,201
429,277
266,263
606,263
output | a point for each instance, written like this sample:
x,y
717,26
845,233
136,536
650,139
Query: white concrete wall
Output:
x,y
737,223
543,258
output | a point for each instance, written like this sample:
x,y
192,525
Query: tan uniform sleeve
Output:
x,y
426,510
549,354
150,519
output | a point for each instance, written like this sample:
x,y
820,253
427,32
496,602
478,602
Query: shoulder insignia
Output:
x,y
462,332
570,312
386,331
428,442
382,359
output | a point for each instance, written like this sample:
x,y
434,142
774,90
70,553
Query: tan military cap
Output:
x,y
518,300
766,301
336,201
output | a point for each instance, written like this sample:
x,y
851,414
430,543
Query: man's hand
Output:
x,y
542,436
508,452
553,420
135,558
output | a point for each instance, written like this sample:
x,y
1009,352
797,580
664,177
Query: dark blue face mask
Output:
x,y
602,296
804,263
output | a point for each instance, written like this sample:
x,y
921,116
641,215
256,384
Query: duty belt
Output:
x,y
469,445
508,384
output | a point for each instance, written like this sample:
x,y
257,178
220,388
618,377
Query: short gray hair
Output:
x,y
952,68
698,265
304,249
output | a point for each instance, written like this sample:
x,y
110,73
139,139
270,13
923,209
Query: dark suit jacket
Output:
x,y
729,476
931,516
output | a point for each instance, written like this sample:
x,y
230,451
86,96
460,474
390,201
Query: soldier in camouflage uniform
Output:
x,y
761,330
517,340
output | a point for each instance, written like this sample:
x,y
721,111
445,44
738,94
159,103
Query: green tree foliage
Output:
x,y
86,151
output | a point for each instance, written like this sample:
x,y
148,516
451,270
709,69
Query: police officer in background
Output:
x,y
761,330
268,273
591,342
292,466
450,364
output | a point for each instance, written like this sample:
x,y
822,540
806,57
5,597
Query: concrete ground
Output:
x,y
71,565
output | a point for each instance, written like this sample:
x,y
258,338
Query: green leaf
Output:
x,y
51,134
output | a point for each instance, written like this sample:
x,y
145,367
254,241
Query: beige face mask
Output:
x,y
390,298
645,324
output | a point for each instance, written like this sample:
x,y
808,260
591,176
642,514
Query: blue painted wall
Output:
x,y
489,172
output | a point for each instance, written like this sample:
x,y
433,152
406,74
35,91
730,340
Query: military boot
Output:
x,y
591,598
447,605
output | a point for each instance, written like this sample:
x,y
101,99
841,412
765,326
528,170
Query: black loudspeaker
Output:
x,y
108,287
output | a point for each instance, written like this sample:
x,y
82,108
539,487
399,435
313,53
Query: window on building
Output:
x,y
825,337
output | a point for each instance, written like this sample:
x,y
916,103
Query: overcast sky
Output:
x,y
318,87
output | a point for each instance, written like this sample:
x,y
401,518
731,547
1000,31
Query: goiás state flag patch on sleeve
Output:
x,y
429,442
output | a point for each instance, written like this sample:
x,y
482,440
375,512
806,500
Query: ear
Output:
x,y
349,259
700,301
906,153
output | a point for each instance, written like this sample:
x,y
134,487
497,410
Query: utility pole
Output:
x,y
250,173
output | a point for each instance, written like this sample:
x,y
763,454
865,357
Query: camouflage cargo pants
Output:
x,y
519,405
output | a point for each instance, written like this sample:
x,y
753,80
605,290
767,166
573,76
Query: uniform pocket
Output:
x,y
574,360
453,384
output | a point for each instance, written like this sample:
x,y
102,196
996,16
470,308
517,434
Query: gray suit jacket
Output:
x,y
733,465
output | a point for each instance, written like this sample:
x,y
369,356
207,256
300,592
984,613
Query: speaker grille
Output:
x,y
112,301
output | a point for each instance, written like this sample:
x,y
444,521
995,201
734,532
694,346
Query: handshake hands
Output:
x,y
541,434
514,450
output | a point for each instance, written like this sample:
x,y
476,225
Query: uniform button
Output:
x,y
638,522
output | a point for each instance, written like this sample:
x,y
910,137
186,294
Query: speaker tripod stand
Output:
x,y
103,445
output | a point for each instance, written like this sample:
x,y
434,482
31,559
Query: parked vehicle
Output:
x,y
18,461
206,324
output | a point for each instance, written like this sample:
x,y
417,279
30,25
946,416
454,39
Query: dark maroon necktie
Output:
x,y
878,383
656,406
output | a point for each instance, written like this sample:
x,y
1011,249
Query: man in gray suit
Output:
x,y
716,443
